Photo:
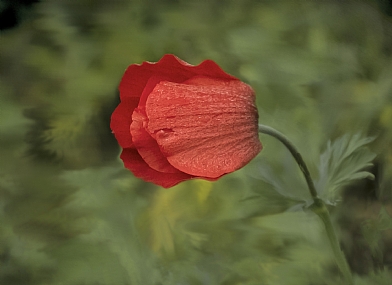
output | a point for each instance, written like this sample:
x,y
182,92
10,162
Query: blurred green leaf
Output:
x,y
344,160
71,214
374,229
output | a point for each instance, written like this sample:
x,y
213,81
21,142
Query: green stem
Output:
x,y
294,152
318,206
320,209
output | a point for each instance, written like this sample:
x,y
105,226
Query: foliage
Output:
x,y
342,162
69,212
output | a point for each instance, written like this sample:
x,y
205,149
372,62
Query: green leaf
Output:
x,y
382,277
373,231
344,160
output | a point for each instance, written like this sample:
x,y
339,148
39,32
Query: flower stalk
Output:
x,y
318,206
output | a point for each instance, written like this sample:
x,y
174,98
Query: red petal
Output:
x,y
205,129
134,162
121,121
169,66
147,146
150,85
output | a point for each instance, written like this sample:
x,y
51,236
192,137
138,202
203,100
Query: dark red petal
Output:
x,y
169,66
134,162
147,146
207,127
121,121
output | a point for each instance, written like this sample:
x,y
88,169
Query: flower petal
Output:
x,y
121,120
176,70
147,146
205,127
134,162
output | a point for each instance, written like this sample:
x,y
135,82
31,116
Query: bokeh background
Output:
x,y
70,214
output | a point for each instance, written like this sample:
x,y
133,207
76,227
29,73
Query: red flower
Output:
x,y
177,121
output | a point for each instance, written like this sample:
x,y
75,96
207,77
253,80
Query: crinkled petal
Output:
x,y
121,121
134,162
150,85
147,146
205,127
169,66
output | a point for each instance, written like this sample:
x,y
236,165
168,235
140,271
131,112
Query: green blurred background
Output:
x,y
70,214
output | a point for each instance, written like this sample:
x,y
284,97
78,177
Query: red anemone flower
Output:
x,y
177,121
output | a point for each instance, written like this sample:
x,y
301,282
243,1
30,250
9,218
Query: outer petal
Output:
x,y
169,66
134,162
121,120
147,145
205,128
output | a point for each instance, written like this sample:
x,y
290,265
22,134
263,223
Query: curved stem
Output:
x,y
318,206
295,153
